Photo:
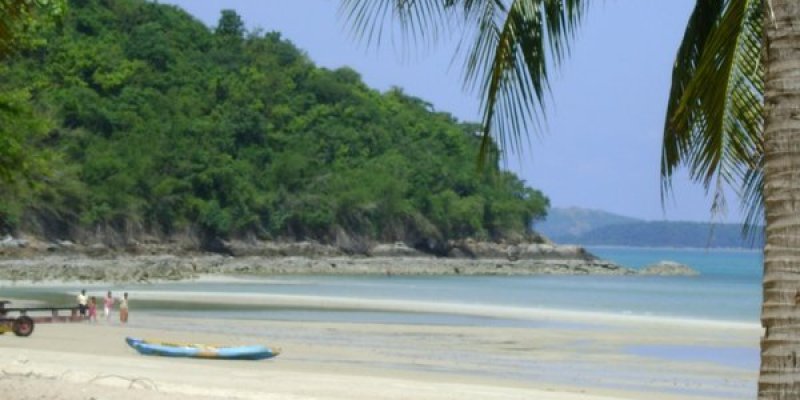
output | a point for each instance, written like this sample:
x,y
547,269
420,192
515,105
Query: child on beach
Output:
x,y
123,309
93,309
108,304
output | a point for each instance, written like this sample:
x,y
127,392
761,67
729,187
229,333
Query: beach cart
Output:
x,y
17,320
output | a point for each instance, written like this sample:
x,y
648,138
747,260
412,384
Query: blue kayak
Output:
x,y
155,348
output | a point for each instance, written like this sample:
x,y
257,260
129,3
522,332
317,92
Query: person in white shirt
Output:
x,y
82,301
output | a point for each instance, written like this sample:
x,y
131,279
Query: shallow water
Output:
x,y
736,357
728,288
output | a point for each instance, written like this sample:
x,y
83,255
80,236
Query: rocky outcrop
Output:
x,y
280,249
398,249
668,268
9,242
169,268
519,251
156,260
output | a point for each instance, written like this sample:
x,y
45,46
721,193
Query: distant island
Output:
x,y
599,228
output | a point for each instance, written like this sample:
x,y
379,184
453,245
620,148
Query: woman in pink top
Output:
x,y
93,309
108,304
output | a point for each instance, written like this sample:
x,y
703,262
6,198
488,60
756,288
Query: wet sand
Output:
x,y
588,358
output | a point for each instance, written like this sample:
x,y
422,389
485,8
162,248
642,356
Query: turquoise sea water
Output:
x,y
728,288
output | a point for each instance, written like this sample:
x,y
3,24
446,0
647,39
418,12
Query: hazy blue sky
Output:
x,y
601,146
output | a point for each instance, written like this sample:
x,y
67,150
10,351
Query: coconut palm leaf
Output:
x,y
508,46
417,21
715,118
508,62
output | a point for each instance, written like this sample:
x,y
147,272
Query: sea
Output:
x,y
728,288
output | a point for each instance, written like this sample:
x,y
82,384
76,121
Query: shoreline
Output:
x,y
189,299
429,307
721,249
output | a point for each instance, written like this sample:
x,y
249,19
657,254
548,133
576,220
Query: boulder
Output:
x,y
397,249
11,242
668,268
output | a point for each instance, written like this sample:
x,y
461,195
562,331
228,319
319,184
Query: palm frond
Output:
x,y
417,21
751,193
508,62
508,46
703,19
714,118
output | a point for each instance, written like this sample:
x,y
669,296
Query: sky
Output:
x,y
601,143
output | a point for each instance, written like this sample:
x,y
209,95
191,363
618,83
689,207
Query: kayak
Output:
x,y
156,348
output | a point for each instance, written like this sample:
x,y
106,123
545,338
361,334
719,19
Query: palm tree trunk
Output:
x,y
780,315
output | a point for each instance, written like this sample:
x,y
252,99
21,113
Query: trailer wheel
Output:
x,y
23,326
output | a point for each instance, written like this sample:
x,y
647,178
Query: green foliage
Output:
x,y
165,125
33,176
23,163
230,25
21,21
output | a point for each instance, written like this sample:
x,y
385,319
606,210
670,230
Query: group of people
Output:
x,y
88,305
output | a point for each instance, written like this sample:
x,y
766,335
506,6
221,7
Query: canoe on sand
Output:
x,y
157,348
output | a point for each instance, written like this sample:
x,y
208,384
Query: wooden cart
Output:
x,y
22,324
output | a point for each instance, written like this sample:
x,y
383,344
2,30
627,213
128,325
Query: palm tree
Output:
x,y
733,117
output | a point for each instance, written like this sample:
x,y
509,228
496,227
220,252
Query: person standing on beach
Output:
x,y
108,304
82,299
123,309
93,309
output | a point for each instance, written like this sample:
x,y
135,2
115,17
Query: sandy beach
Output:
x,y
561,356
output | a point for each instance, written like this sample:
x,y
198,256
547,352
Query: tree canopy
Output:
x,y
153,124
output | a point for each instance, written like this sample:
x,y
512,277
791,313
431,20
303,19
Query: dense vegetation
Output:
x,y
139,121
593,227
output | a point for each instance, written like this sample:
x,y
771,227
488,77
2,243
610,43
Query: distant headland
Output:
x,y
588,227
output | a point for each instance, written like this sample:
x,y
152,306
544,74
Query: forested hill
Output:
x,y
141,122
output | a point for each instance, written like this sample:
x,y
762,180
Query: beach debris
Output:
x,y
143,383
